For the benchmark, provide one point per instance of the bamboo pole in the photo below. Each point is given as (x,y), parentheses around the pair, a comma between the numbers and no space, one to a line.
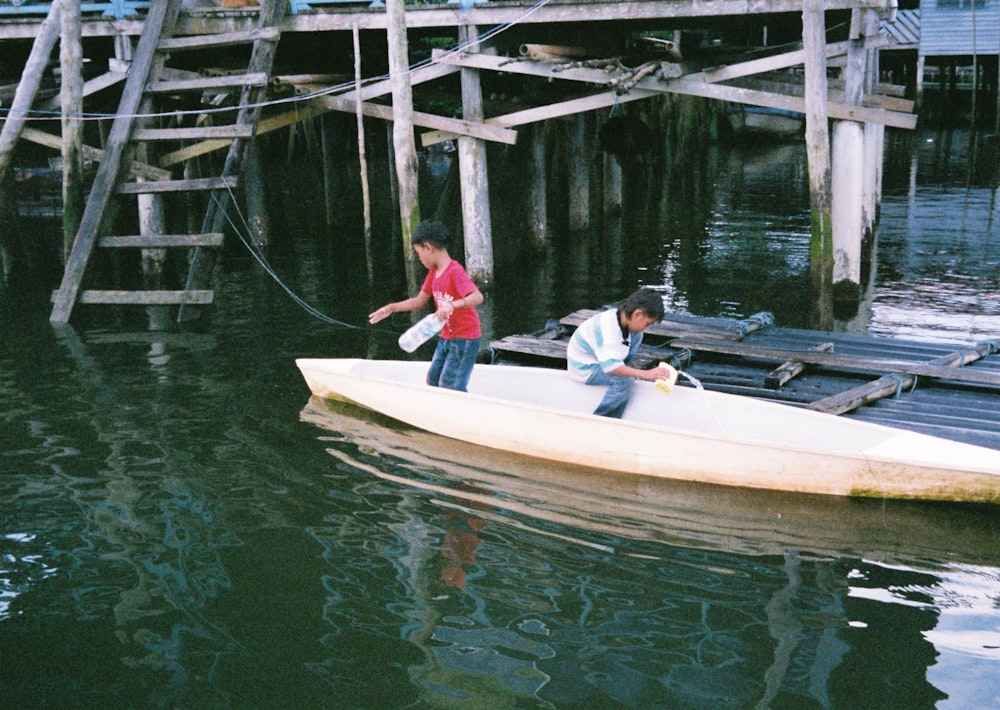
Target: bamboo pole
(71,106)
(403,143)
(31,78)
(362,157)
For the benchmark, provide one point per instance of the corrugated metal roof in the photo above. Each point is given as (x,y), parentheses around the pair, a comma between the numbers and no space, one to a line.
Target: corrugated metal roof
(906,28)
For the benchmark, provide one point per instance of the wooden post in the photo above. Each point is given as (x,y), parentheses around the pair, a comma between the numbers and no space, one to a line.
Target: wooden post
(847,181)
(612,198)
(474,177)
(71,105)
(579,174)
(818,155)
(403,143)
(874,143)
(362,157)
(31,77)
(538,214)
(255,193)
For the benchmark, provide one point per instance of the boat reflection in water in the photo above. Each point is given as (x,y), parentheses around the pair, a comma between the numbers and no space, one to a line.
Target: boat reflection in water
(526,579)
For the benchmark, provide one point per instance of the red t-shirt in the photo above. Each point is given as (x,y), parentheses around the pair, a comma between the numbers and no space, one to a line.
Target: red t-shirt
(450,286)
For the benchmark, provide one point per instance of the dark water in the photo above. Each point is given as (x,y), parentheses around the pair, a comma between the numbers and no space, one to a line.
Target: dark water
(183,527)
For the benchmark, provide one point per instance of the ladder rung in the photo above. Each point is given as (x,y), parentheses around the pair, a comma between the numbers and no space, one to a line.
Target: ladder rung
(145,298)
(153,241)
(225,39)
(234,130)
(206,83)
(142,188)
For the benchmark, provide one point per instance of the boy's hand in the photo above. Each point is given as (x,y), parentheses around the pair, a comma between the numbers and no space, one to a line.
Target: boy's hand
(381,314)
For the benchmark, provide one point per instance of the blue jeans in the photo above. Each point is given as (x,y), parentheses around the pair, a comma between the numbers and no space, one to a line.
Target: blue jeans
(619,388)
(451,366)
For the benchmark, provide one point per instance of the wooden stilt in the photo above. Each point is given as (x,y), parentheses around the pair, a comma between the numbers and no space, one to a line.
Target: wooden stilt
(612,187)
(818,155)
(474,178)
(255,192)
(31,77)
(71,98)
(538,193)
(404,145)
(579,174)
(362,157)
(847,182)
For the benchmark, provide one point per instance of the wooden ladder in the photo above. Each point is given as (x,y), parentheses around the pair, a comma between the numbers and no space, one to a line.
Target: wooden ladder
(123,170)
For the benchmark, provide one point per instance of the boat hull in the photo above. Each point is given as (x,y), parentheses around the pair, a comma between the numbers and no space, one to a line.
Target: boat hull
(688,435)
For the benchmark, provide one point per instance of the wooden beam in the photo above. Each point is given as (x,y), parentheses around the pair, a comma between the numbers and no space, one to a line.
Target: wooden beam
(777,378)
(146,241)
(206,83)
(225,39)
(98,83)
(146,298)
(541,113)
(485,131)
(136,169)
(692,85)
(211,183)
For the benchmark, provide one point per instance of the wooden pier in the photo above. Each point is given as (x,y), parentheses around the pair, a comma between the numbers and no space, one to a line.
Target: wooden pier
(822,80)
(944,389)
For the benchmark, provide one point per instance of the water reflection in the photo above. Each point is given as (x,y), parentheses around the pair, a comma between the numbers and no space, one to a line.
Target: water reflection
(653,594)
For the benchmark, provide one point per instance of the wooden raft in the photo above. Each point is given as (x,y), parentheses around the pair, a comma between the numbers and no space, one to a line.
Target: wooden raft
(836,373)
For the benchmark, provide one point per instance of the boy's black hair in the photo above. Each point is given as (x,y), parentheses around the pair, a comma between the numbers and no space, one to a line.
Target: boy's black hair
(647,299)
(430,232)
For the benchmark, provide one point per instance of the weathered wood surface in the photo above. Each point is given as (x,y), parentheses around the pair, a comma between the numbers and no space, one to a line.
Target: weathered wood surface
(724,329)
(162,14)
(892,384)
(145,298)
(782,374)
(162,240)
(857,363)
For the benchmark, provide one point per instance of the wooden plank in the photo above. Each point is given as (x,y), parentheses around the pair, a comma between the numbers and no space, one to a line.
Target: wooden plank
(778,377)
(266,126)
(645,357)
(146,298)
(144,188)
(163,240)
(668,328)
(889,385)
(225,39)
(693,85)
(92,86)
(207,83)
(541,113)
(136,169)
(857,363)
(474,129)
(161,15)
(231,131)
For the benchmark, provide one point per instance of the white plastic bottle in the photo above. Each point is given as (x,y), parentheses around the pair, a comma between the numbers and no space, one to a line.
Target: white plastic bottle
(420,333)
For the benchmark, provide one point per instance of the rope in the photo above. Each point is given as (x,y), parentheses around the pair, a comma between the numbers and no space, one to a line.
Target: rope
(262,260)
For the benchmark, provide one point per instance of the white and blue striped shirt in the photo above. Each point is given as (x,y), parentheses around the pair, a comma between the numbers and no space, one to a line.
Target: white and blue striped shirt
(597,344)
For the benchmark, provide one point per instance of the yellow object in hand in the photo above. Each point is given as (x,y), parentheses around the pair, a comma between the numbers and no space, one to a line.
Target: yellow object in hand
(666,384)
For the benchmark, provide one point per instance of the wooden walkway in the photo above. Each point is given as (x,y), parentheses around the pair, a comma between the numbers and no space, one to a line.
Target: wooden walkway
(947,390)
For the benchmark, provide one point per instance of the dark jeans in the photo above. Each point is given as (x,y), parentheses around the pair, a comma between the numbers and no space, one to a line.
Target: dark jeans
(451,366)
(619,388)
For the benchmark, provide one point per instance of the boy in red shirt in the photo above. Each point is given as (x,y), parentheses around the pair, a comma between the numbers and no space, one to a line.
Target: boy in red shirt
(455,301)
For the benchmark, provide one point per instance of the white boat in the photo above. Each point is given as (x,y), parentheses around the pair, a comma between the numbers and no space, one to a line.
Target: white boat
(582,502)
(689,434)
